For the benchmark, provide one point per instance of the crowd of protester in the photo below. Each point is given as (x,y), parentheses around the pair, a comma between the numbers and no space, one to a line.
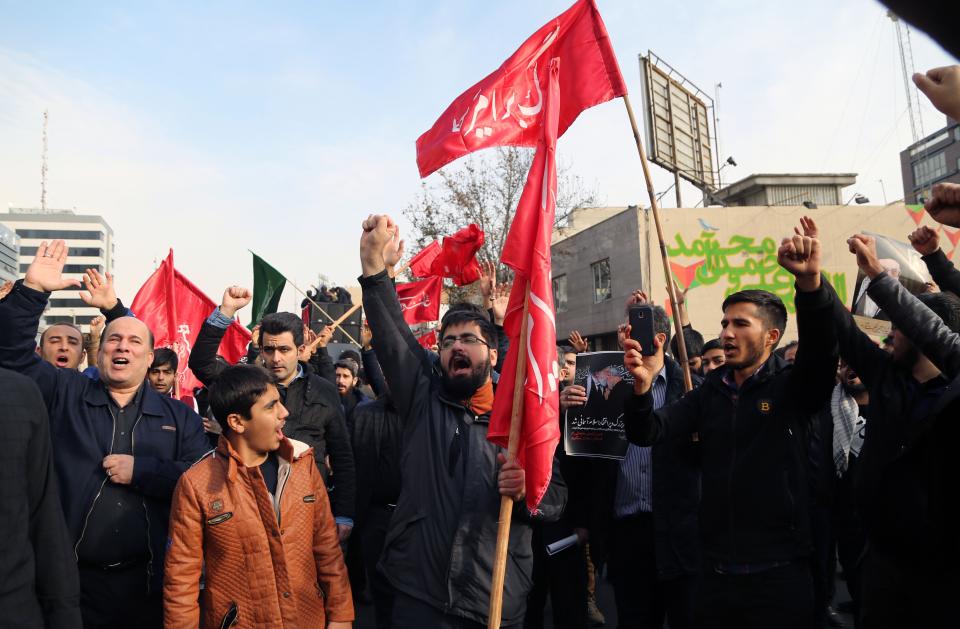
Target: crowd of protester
(295,485)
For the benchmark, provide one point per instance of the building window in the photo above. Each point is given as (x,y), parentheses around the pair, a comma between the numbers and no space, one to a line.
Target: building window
(90,252)
(68,268)
(601,280)
(66,234)
(560,293)
(74,319)
(929,169)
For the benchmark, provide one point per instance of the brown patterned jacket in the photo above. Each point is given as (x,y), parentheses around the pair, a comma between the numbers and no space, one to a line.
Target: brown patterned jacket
(277,560)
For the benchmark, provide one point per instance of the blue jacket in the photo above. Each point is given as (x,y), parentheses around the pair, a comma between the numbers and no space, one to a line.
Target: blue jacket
(168,436)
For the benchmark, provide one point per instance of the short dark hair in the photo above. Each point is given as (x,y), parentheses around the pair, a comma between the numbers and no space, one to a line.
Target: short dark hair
(693,341)
(710,345)
(107,325)
(565,349)
(661,323)
(945,305)
(279,322)
(165,356)
(348,364)
(469,313)
(769,307)
(237,389)
(43,335)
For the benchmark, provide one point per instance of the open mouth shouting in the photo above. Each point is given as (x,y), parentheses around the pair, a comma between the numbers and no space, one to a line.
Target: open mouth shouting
(62,360)
(459,365)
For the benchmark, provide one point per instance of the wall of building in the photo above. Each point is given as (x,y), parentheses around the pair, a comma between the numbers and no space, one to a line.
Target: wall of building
(9,255)
(715,252)
(90,242)
(944,141)
(617,239)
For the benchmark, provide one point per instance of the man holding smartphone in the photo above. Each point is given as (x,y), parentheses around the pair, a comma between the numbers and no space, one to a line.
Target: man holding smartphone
(752,416)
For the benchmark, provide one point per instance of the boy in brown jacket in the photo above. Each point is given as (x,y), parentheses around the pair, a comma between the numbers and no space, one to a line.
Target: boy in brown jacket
(255,512)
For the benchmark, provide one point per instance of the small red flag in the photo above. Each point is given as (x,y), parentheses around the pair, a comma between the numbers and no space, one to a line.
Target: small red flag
(420,264)
(457,258)
(527,251)
(420,301)
(174,309)
(428,340)
(504,108)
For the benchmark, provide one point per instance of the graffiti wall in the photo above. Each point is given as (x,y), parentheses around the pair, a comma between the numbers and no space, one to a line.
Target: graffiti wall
(715,252)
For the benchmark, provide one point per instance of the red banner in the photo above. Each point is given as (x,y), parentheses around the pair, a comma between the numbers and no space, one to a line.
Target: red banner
(174,309)
(504,108)
(420,264)
(420,301)
(527,251)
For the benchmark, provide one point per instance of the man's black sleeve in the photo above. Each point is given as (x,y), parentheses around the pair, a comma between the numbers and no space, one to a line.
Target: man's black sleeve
(371,367)
(942,271)
(920,324)
(815,369)
(856,348)
(203,357)
(405,363)
(322,365)
(553,502)
(646,427)
(57,584)
(343,498)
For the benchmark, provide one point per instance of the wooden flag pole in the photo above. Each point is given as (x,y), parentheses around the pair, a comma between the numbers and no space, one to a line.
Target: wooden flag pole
(506,502)
(681,344)
(334,322)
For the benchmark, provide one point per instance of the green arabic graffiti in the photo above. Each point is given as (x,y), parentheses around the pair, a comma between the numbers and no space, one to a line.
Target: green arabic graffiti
(743,263)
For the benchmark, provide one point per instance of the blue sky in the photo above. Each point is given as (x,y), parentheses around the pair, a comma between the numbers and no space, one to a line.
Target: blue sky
(218,127)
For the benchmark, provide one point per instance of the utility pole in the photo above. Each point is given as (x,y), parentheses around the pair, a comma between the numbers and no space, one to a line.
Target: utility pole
(43,166)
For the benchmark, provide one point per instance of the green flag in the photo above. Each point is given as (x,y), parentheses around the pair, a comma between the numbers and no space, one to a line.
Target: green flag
(268,285)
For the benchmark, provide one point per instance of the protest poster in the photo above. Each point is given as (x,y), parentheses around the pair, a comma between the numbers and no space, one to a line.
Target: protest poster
(596,428)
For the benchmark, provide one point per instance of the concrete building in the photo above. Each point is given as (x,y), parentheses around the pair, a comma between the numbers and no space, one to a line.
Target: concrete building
(90,242)
(786,189)
(933,159)
(610,252)
(9,255)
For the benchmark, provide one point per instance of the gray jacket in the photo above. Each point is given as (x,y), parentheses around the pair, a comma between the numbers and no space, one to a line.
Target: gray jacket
(440,545)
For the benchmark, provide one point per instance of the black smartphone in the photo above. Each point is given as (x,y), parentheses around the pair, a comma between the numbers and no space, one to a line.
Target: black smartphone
(641,328)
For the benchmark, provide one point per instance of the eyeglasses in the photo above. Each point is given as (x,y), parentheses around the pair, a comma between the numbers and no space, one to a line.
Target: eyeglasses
(466,339)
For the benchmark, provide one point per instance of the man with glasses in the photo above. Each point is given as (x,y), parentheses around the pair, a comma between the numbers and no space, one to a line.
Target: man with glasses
(439,551)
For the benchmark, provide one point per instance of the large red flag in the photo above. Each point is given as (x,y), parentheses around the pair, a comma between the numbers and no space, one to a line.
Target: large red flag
(420,301)
(174,309)
(457,258)
(527,251)
(504,108)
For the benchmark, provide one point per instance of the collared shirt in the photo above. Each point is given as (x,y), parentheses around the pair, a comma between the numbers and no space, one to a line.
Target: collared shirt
(634,492)
(116,529)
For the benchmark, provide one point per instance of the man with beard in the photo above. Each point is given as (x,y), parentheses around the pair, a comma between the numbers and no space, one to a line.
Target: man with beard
(906,473)
(751,416)
(346,380)
(439,551)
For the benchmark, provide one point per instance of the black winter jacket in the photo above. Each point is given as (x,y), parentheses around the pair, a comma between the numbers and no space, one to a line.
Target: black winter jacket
(676,496)
(754,505)
(441,542)
(907,475)
(315,418)
(37,567)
